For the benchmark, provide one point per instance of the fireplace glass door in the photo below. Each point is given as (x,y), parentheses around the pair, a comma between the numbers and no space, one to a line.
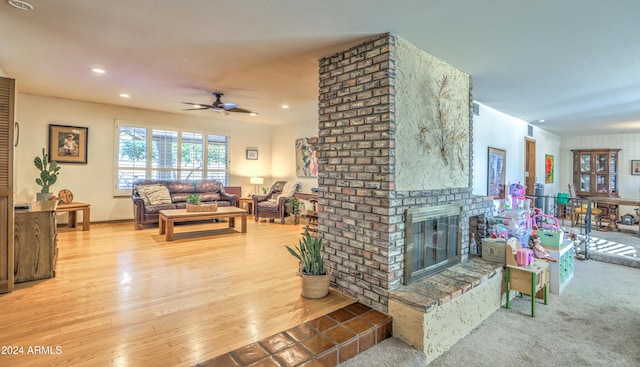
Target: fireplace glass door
(433,241)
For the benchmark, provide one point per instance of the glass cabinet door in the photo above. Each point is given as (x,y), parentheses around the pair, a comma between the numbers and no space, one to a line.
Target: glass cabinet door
(601,163)
(601,184)
(585,183)
(585,162)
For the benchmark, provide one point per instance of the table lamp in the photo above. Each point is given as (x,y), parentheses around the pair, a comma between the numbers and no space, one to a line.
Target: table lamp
(256,181)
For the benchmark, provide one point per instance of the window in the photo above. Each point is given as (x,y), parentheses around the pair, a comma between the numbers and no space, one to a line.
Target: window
(163,153)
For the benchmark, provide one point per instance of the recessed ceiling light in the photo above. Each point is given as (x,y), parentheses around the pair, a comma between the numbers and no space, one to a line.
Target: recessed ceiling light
(253,114)
(124,95)
(285,106)
(22,5)
(98,70)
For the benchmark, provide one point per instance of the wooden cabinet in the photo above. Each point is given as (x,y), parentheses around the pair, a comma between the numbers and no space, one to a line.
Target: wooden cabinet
(7,103)
(595,172)
(35,242)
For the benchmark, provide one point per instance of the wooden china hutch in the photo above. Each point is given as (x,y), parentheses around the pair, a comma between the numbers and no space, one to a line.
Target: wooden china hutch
(595,172)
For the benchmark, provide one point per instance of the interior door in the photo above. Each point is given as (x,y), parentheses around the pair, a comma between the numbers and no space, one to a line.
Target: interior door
(7,101)
(529,165)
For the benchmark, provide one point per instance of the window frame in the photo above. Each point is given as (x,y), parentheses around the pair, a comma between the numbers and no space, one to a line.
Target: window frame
(149,168)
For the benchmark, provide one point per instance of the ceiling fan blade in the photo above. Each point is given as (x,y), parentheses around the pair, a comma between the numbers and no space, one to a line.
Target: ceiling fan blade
(197,109)
(241,110)
(199,105)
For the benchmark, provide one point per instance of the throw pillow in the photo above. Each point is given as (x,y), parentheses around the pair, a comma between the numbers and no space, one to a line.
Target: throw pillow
(158,195)
(288,189)
(141,192)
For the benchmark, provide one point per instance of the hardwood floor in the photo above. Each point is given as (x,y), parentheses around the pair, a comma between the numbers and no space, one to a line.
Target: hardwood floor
(123,297)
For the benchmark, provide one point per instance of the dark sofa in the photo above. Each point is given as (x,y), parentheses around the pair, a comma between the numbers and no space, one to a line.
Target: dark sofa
(209,190)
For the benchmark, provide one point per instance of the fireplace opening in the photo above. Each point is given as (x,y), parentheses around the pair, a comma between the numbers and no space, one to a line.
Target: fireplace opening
(432,239)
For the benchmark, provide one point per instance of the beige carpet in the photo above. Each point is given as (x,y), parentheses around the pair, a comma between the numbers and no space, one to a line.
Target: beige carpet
(594,322)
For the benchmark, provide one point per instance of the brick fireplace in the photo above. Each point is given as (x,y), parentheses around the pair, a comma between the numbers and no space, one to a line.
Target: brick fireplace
(381,105)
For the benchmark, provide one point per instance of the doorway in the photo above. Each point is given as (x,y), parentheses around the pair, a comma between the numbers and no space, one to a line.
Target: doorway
(529,165)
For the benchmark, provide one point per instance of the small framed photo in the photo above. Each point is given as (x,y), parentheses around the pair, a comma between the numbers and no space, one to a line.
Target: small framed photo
(635,167)
(252,153)
(68,144)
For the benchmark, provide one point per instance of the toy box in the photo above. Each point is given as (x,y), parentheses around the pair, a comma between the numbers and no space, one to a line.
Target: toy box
(493,249)
(551,238)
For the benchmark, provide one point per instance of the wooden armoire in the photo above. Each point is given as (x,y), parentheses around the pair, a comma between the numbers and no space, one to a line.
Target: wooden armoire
(7,105)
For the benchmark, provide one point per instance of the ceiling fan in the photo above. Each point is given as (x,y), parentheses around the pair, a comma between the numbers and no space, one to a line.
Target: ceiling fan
(217,106)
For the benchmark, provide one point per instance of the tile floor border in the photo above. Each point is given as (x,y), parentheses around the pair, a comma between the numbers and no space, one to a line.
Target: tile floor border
(323,342)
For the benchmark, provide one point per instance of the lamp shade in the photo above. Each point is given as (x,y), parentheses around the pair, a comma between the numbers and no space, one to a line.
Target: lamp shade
(256,180)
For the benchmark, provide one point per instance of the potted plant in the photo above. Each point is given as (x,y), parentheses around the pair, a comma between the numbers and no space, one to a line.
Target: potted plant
(195,205)
(193,199)
(314,274)
(295,206)
(48,175)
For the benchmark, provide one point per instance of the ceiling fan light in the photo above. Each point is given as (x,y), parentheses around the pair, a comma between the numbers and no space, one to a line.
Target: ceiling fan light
(22,5)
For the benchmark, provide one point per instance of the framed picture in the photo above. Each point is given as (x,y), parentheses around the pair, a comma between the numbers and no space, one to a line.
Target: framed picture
(548,168)
(252,154)
(496,175)
(635,167)
(306,159)
(68,144)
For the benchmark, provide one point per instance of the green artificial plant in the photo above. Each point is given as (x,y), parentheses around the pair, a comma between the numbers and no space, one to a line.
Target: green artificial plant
(48,172)
(310,253)
(193,199)
(296,205)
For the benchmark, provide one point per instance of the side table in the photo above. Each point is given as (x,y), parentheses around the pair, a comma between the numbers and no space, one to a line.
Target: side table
(72,209)
(246,203)
(528,280)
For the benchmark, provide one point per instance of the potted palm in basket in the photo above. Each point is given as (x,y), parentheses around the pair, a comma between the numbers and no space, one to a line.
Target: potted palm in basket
(195,205)
(295,207)
(314,274)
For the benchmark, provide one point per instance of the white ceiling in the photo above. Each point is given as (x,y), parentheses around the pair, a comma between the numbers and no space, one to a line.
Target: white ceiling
(573,63)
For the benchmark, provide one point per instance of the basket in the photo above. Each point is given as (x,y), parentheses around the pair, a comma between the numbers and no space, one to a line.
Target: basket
(315,286)
(202,208)
(563,198)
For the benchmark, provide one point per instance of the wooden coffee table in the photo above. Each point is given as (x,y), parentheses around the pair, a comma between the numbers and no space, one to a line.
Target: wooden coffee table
(169,217)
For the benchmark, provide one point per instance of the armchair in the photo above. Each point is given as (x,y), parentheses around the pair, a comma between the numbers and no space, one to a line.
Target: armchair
(273,204)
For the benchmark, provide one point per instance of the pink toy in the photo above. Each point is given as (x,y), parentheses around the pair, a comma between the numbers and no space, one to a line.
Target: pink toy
(524,257)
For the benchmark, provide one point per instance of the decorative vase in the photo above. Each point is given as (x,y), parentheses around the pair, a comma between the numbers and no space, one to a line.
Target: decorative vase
(296,218)
(315,286)
(43,196)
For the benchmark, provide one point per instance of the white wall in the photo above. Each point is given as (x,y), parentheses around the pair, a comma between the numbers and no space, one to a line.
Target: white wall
(93,183)
(495,129)
(628,184)
(283,153)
